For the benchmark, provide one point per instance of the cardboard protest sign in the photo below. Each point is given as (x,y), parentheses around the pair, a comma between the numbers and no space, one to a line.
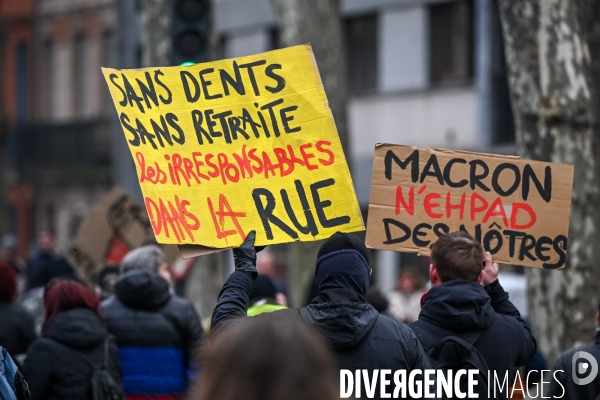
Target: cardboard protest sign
(225,147)
(115,227)
(518,209)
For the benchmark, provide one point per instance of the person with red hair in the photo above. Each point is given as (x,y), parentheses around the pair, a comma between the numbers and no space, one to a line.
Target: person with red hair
(17,328)
(74,341)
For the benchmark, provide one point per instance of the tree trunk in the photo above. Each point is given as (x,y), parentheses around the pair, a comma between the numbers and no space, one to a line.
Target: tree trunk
(317,22)
(589,17)
(204,283)
(554,101)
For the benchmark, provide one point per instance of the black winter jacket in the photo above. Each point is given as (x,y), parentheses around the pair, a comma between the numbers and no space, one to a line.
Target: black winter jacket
(158,334)
(17,328)
(43,267)
(464,306)
(55,368)
(361,338)
(562,382)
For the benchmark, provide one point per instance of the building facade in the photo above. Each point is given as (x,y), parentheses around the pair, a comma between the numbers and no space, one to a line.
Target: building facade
(421,72)
(60,147)
(17,39)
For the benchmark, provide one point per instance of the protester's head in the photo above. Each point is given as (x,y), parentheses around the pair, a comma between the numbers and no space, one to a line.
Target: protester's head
(343,241)
(107,278)
(46,240)
(456,256)
(409,281)
(149,258)
(343,263)
(9,248)
(270,357)
(265,263)
(63,295)
(8,282)
(263,289)
(377,299)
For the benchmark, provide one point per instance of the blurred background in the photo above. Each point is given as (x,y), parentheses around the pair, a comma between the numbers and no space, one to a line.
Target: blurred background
(429,73)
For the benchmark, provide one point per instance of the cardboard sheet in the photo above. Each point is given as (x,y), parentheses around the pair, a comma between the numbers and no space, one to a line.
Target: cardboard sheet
(518,209)
(115,227)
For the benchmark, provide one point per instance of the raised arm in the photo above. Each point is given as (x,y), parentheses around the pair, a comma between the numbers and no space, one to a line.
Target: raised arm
(498,296)
(502,305)
(235,296)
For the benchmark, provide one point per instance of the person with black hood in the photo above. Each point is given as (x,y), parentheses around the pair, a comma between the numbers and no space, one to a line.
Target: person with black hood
(74,343)
(360,337)
(466,297)
(158,334)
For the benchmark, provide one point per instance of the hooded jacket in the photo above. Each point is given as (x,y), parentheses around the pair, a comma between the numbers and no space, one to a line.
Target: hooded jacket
(43,267)
(17,328)
(361,338)
(157,335)
(562,384)
(461,306)
(55,368)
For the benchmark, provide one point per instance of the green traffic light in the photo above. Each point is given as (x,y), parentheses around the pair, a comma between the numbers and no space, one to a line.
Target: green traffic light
(187,64)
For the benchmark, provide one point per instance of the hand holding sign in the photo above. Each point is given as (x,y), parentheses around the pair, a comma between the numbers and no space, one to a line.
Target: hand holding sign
(245,256)
(490,270)
(225,147)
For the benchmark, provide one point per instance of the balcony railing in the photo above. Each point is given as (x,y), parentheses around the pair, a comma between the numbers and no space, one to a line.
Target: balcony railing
(72,146)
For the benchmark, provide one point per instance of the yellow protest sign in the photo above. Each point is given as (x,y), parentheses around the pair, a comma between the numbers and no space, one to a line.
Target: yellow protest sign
(225,147)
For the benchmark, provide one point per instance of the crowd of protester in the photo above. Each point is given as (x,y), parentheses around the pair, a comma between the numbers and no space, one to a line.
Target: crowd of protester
(148,343)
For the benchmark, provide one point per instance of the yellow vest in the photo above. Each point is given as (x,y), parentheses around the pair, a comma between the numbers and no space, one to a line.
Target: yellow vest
(264,308)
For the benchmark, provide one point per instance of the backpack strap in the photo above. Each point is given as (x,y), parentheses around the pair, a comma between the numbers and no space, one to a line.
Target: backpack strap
(470,337)
(427,339)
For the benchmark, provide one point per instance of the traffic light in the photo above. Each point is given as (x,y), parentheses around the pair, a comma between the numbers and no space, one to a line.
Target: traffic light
(190,31)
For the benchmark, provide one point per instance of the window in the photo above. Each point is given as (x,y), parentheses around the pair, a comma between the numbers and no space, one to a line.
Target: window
(48,77)
(50,215)
(107,49)
(502,120)
(361,53)
(79,74)
(21,89)
(451,41)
